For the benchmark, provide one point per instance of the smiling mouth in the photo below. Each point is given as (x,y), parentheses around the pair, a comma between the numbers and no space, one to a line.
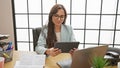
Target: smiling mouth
(58,22)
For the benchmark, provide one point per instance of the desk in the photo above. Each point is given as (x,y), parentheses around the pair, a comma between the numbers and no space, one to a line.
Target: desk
(50,61)
(16,56)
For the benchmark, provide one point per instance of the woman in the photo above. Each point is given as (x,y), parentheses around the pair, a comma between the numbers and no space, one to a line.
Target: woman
(55,31)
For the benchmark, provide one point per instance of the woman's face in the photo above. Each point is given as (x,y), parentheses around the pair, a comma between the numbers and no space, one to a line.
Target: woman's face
(59,17)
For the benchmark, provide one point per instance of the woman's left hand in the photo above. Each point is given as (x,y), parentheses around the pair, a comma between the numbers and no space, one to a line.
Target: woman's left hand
(72,51)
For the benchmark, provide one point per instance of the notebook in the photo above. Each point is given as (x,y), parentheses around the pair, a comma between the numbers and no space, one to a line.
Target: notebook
(66,46)
(82,58)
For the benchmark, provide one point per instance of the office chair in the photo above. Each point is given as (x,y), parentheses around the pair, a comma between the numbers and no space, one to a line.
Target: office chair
(117,50)
(114,53)
(36,33)
(114,50)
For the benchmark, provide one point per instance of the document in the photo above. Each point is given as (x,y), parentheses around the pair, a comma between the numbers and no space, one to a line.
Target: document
(18,65)
(65,63)
(31,61)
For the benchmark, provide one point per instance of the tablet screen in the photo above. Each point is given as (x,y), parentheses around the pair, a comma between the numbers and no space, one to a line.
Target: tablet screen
(66,46)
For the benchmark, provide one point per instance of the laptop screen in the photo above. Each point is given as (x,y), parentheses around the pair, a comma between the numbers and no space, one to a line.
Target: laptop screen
(82,58)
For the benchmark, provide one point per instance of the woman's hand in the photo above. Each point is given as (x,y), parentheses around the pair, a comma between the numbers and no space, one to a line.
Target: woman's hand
(53,51)
(72,51)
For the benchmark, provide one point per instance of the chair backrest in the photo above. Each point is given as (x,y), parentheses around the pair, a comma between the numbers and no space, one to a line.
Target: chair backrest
(112,49)
(113,55)
(36,32)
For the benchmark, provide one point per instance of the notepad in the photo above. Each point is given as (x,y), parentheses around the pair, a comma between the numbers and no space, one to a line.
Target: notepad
(31,61)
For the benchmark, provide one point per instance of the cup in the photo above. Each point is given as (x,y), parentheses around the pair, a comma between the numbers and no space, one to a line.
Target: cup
(2,62)
(118,65)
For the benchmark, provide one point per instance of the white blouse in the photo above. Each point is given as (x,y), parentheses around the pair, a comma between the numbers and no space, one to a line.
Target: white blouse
(58,36)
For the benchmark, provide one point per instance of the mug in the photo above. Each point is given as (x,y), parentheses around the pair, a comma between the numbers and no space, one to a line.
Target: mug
(2,62)
(118,65)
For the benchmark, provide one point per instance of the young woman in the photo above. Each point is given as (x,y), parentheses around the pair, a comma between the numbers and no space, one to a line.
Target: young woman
(55,31)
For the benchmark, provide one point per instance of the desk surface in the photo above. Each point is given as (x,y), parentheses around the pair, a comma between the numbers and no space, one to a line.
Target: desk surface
(50,61)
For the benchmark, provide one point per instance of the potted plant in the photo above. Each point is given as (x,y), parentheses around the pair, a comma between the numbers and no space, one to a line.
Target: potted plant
(99,62)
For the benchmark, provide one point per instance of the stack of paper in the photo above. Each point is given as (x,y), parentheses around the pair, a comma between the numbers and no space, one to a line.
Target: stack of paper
(3,36)
(31,61)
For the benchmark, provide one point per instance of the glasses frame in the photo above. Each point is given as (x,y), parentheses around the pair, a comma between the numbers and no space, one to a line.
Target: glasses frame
(62,17)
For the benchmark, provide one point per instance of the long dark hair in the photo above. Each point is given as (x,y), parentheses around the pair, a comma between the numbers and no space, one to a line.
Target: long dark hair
(51,36)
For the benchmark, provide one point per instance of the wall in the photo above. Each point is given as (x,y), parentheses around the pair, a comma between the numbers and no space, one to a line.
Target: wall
(6,19)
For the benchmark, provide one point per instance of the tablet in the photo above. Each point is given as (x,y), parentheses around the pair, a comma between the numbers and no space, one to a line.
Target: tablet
(66,46)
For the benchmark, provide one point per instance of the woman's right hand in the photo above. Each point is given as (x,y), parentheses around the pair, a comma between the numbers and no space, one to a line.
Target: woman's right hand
(53,51)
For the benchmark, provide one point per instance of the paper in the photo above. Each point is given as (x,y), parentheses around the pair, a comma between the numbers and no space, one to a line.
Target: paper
(31,61)
(3,36)
(17,65)
(65,63)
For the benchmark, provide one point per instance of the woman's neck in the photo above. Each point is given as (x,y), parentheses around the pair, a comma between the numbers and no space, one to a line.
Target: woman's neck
(57,28)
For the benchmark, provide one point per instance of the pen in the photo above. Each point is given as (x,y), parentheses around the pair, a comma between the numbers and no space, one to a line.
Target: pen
(9,46)
(1,49)
(5,55)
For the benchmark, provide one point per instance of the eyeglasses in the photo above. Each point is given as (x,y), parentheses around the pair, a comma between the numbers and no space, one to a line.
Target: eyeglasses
(57,16)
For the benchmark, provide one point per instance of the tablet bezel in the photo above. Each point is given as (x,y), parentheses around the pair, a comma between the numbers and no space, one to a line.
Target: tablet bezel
(66,46)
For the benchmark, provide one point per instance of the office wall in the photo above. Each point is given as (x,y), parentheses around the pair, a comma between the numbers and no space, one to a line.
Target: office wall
(6,19)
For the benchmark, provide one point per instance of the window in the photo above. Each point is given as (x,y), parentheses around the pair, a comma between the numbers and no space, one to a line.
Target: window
(95,22)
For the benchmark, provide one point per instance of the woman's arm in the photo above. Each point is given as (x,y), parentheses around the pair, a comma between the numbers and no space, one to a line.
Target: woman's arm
(42,48)
(72,34)
(41,44)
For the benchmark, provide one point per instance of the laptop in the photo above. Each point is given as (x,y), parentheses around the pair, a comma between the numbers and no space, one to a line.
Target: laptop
(82,58)
(66,46)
